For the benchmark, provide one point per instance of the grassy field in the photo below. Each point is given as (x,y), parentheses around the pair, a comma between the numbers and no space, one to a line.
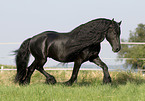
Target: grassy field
(126,86)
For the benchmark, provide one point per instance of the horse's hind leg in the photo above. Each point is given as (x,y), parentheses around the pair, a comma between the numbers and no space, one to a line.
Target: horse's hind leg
(31,69)
(49,78)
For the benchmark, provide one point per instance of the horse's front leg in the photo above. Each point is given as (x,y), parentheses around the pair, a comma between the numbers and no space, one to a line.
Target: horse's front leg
(107,78)
(76,68)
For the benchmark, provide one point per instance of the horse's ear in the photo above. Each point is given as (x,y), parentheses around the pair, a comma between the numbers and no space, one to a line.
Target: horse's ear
(120,23)
(111,25)
(113,19)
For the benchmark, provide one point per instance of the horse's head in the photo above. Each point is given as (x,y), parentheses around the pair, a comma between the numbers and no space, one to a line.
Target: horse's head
(113,35)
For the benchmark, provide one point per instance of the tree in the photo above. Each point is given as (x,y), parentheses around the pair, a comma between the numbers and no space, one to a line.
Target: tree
(136,52)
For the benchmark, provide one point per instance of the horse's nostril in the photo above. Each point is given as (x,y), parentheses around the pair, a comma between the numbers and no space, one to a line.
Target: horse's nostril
(117,49)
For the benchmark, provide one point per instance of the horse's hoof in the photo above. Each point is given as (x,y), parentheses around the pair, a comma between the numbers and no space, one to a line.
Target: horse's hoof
(24,82)
(107,80)
(68,83)
(51,80)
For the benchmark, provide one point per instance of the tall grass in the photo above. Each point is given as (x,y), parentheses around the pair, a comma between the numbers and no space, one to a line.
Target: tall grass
(126,86)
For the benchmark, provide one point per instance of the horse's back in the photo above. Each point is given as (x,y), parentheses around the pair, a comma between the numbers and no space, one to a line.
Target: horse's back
(49,44)
(39,43)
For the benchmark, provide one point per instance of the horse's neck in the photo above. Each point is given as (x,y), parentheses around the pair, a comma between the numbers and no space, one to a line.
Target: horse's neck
(77,43)
(88,39)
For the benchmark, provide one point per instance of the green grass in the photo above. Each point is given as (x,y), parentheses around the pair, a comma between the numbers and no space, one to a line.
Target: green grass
(42,92)
(126,86)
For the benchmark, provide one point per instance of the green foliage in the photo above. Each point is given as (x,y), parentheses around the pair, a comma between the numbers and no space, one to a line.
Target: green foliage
(138,35)
(135,51)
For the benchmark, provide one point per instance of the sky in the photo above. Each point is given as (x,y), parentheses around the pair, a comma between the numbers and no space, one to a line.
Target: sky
(21,19)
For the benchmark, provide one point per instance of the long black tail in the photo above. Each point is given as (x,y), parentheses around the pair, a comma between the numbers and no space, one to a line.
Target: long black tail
(22,59)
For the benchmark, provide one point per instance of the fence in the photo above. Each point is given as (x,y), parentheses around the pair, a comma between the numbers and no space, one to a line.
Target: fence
(129,43)
(53,69)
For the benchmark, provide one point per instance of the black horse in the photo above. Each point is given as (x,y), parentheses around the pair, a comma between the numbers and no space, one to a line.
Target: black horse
(80,45)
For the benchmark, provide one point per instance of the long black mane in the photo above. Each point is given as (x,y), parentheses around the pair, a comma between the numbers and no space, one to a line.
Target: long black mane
(87,34)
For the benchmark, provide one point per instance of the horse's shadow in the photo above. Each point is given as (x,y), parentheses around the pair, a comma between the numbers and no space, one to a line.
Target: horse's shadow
(120,79)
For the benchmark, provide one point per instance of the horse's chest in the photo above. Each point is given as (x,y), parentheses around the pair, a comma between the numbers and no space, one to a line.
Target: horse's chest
(90,53)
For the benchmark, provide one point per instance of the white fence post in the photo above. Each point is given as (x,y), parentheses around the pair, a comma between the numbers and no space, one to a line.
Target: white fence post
(2,67)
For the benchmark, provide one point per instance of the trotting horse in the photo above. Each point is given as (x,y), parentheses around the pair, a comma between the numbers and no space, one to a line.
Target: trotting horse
(80,45)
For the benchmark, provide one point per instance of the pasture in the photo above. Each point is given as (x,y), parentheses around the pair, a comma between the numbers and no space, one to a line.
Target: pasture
(126,86)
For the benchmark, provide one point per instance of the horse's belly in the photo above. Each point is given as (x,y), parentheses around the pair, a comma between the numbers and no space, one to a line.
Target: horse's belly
(61,58)
(59,54)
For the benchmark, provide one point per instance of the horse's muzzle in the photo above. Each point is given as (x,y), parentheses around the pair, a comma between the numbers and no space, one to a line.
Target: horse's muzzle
(116,49)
